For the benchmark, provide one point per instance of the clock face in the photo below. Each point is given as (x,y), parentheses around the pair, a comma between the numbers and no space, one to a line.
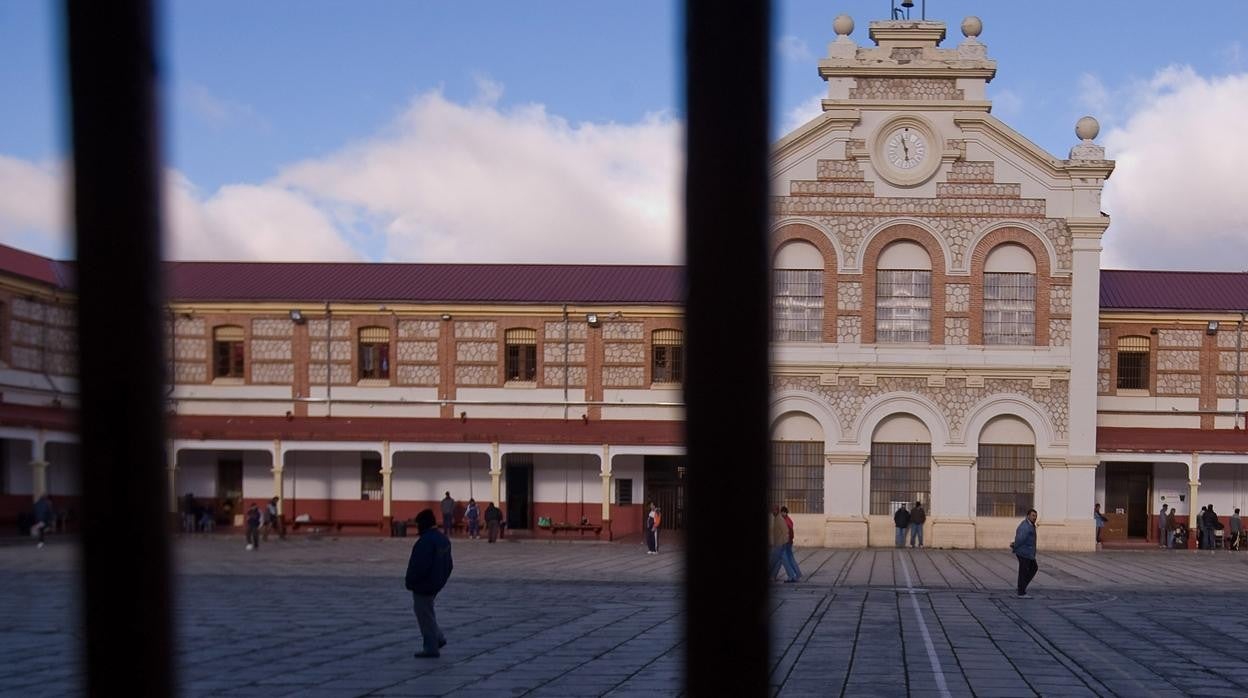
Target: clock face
(905,148)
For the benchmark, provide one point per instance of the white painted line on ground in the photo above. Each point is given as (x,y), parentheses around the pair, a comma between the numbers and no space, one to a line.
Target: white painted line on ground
(927,638)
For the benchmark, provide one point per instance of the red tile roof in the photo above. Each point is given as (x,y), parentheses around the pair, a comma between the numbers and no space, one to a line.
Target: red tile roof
(1174,290)
(33,267)
(1186,441)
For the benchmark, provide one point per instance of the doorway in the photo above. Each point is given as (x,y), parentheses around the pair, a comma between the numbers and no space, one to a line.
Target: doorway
(665,487)
(1127,488)
(519,494)
(229,489)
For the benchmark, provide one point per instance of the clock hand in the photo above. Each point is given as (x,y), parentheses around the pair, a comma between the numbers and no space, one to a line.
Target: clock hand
(905,149)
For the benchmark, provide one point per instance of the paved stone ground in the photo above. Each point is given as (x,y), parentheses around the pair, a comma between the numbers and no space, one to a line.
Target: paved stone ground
(329,617)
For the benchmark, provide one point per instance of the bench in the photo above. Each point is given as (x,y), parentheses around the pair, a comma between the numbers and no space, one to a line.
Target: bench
(579,528)
(337,524)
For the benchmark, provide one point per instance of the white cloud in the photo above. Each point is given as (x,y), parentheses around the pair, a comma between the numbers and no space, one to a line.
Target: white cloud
(803,112)
(1177,193)
(794,49)
(449,182)
(33,206)
(1006,104)
(218,112)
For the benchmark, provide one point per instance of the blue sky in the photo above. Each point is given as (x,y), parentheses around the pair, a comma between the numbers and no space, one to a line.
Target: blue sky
(285,113)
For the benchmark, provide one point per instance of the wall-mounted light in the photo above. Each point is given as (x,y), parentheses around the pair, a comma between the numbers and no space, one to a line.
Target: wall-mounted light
(296,316)
(446,316)
(1212,327)
(592,319)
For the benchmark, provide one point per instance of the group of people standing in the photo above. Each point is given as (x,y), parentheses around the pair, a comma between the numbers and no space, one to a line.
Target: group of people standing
(259,524)
(493,517)
(911,520)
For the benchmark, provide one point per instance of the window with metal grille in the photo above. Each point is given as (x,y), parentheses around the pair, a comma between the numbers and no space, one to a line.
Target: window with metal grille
(521,355)
(1006,484)
(1009,308)
(903,305)
(667,356)
(797,476)
(227,352)
(899,473)
(1133,363)
(374,353)
(624,491)
(797,305)
(371,482)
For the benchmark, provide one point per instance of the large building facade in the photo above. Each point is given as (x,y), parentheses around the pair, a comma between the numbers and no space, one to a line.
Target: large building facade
(942,334)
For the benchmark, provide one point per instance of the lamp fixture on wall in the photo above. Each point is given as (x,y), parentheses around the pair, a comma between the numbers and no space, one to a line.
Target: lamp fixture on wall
(1212,327)
(446,316)
(592,319)
(296,316)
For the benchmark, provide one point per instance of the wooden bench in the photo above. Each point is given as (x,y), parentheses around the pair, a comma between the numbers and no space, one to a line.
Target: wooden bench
(581,529)
(337,524)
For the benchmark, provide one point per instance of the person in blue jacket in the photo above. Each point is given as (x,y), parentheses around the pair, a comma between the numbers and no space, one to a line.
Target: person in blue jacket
(1024,547)
(427,571)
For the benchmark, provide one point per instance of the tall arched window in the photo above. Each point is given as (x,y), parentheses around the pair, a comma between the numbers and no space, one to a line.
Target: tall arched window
(521,359)
(903,294)
(227,352)
(901,464)
(797,464)
(797,293)
(1010,296)
(1006,468)
(374,353)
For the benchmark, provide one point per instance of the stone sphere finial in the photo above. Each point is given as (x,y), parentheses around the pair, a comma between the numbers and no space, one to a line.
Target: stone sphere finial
(972,26)
(1087,128)
(843,25)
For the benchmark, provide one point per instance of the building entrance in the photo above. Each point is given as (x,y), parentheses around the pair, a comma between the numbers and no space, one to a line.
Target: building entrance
(665,486)
(229,489)
(519,495)
(1127,488)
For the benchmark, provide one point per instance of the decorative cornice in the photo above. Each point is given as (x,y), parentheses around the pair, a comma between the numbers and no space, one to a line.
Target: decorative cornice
(833,68)
(966,105)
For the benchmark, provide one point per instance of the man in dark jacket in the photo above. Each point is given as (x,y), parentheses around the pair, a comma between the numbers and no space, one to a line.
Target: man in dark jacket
(493,519)
(448,514)
(427,571)
(917,518)
(1211,526)
(1024,547)
(901,519)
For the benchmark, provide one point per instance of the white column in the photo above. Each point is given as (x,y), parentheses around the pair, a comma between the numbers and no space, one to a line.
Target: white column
(496,475)
(277,476)
(606,482)
(39,478)
(845,500)
(171,457)
(387,471)
(1084,324)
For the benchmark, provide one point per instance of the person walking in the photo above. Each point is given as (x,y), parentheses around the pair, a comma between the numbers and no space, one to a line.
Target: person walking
(1099,519)
(1237,530)
(428,570)
(790,560)
(779,536)
(493,519)
(45,517)
(1172,528)
(448,514)
(917,518)
(473,516)
(253,527)
(1024,547)
(1161,526)
(1212,526)
(651,534)
(901,519)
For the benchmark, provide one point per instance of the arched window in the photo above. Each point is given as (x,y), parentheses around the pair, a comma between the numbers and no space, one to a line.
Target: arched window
(797,293)
(903,294)
(1006,467)
(374,353)
(1010,296)
(521,355)
(667,356)
(1133,363)
(797,464)
(227,352)
(901,464)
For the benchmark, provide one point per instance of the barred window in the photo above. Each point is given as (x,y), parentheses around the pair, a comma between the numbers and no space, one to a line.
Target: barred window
(797,305)
(1010,308)
(903,305)
(624,491)
(667,356)
(521,355)
(371,482)
(797,476)
(1133,363)
(374,353)
(1007,480)
(227,352)
(899,473)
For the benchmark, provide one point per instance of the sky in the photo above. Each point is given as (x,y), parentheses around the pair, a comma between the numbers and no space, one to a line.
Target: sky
(551,131)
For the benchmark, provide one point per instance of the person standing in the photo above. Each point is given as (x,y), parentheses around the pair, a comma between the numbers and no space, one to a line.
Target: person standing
(901,519)
(1161,526)
(473,516)
(428,570)
(779,535)
(253,527)
(651,533)
(1099,519)
(658,520)
(1212,525)
(448,514)
(1200,528)
(275,518)
(1024,547)
(790,561)
(493,519)
(1237,530)
(44,519)
(1172,528)
(917,518)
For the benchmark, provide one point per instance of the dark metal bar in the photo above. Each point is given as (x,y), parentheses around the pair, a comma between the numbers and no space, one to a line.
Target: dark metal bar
(125,570)
(727,92)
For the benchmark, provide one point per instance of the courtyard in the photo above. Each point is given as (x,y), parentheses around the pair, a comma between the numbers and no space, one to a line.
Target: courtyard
(330,617)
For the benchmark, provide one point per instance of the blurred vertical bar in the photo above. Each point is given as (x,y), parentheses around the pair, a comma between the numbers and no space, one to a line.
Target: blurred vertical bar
(125,564)
(727,93)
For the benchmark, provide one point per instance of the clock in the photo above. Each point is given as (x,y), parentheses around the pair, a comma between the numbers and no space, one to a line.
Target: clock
(906,151)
